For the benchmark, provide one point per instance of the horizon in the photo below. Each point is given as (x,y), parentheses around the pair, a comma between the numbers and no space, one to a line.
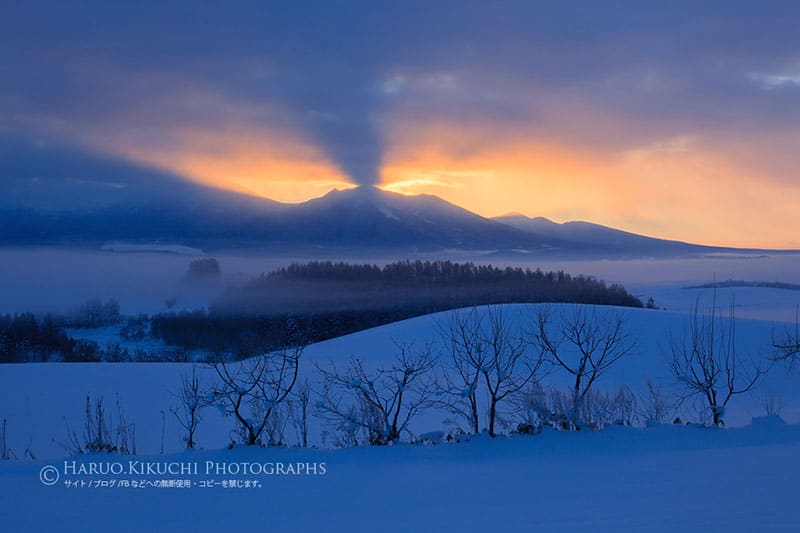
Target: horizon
(370,265)
(675,121)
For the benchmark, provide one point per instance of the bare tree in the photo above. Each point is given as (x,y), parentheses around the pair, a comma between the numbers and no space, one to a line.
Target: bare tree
(192,399)
(786,346)
(381,403)
(466,346)
(585,343)
(253,390)
(510,367)
(706,364)
(485,348)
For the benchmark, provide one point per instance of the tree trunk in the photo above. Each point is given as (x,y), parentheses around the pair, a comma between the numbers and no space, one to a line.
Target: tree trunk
(492,414)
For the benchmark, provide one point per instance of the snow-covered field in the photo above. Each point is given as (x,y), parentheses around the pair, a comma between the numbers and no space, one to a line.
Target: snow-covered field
(663,478)
(41,400)
(621,479)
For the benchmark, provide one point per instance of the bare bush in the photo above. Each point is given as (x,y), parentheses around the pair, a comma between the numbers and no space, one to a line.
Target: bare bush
(656,405)
(531,408)
(536,408)
(192,399)
(772,401)
(101,433)
(377,407)
(707,365)
(584,343)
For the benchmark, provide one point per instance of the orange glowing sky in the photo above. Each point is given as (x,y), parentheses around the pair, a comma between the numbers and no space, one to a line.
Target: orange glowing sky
(643,117)
(678,189)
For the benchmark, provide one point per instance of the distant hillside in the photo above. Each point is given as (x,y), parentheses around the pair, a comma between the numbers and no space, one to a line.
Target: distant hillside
(740,283)
(602,239)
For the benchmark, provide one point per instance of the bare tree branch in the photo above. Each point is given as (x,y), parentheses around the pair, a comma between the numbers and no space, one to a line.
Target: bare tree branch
(380,403)
(706,363)
(585,344)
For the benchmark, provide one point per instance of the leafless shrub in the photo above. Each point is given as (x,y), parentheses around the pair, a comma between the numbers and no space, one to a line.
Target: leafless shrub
(192,399)
(772,401)
(101,433)
(536,408)
(656,405)
(532,408)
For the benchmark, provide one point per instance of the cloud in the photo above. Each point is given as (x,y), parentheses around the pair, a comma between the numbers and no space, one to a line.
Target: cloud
(254,95)
(774,81)
(46,174)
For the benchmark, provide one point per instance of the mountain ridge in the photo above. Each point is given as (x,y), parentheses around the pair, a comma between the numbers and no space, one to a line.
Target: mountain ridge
(360,217)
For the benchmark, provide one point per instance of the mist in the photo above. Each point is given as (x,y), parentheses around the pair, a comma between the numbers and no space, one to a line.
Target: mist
(53,279)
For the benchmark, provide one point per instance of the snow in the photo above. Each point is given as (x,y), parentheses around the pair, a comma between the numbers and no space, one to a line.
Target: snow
(667,478)
(38,399)
(110,335)
(658,478)
(388,213)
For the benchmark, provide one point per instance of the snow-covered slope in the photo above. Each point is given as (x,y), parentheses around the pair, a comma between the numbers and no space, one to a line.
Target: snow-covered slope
(40,399)
(662,478)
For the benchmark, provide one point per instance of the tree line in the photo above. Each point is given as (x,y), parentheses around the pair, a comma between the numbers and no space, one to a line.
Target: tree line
(328,300)
(414,287)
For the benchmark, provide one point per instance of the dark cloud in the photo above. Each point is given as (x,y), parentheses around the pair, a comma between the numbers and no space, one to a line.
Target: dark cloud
(336,70)
(45,174)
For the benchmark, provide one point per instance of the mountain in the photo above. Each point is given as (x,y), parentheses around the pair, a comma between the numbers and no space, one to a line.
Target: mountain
(209,218)
(371,217)
(597,238)
(358,218)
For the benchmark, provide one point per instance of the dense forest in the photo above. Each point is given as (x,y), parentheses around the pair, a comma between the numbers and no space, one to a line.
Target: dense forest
(412,288)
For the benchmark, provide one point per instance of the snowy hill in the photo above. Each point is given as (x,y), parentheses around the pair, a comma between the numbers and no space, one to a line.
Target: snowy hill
(659,478)
(37,417)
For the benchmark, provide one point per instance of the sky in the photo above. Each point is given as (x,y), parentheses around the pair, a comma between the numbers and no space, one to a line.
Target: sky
(675,119)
